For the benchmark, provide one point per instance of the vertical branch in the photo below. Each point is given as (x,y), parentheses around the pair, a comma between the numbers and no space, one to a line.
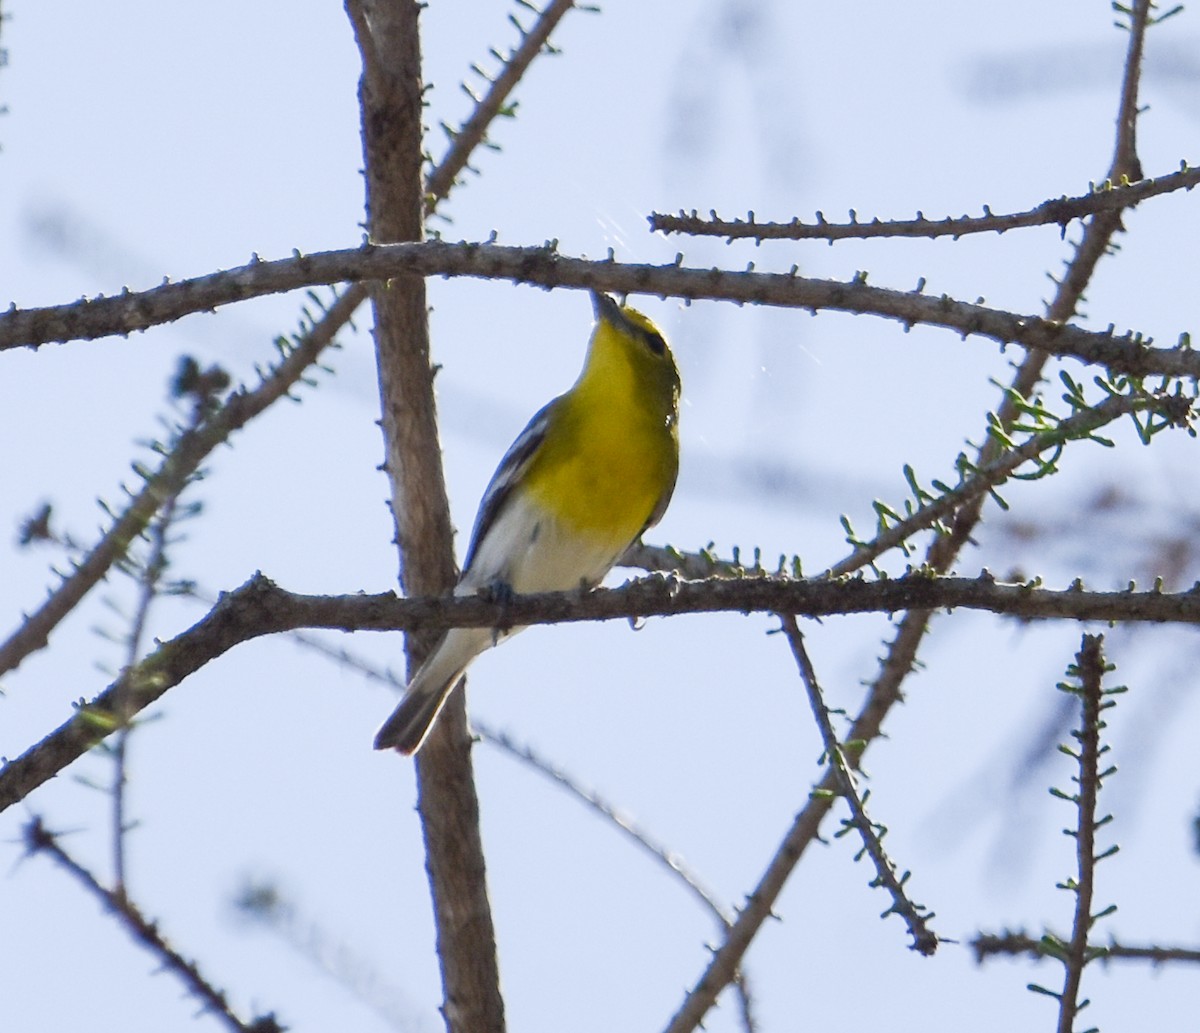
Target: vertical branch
(1089,664)
(390,94)
(148,581)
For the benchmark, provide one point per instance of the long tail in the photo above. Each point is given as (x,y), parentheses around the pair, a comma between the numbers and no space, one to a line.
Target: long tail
(429,689)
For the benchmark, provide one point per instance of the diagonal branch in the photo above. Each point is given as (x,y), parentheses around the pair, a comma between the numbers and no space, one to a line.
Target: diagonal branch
(40,840)
(467,138)
(195,445)
(986,479)
(1174,409)
(925,940)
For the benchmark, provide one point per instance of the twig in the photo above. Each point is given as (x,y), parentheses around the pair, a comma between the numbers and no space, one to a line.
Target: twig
(988,945)
(473,131)
(1076,953)
(1175,409)
(1126,165)
(1109,196)
(545,266)
(805,828)
(643,839)
(997,471)
(148,581)
(263,904)
(40,840)
(925,941)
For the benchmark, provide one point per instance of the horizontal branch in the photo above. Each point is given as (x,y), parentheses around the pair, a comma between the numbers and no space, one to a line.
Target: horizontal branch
(1012,944)
(1108,197)
(544,266)
(259,607)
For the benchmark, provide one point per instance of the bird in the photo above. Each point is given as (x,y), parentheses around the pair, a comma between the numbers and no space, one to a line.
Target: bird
(593,470)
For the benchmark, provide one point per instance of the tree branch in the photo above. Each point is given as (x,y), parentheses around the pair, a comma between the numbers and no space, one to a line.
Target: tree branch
(473,131)
(1109,196)
(259,607)
(1075,954)
(544,266)
(194,446)
(925,940)
(391,101)
(989,945)
(40,840)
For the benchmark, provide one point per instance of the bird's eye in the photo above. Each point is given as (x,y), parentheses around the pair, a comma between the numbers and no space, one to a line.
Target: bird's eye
(656,343)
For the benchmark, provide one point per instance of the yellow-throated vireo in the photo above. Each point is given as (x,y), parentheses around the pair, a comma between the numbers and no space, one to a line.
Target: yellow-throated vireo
(592,471)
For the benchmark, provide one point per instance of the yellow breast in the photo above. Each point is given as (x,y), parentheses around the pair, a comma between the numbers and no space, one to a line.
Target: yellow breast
(610,457)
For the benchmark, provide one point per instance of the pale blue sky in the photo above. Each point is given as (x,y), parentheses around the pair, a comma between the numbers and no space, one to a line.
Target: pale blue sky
(166,140)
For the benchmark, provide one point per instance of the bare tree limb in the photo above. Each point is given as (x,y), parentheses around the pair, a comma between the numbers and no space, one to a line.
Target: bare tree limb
(40,840)
(989,945)
(1109,196)
(925,940)
(391,97)
(467,138)
(259,607)
(544,266)
(195,445)
(1075,953)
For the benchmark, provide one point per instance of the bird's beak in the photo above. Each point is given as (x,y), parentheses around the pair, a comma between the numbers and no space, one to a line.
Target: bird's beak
(605,308)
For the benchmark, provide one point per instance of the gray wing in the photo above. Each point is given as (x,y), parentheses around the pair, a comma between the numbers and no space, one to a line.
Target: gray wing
(512,467)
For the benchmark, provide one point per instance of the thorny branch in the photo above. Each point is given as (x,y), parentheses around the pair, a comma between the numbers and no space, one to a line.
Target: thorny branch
(40,840)
(149,578)
(925,940)
(1175,409)
(544,266)
(1109,196)
(1010,944)
(901,655)
(195,445)
(1076,953)
(467,138)
(259,608)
